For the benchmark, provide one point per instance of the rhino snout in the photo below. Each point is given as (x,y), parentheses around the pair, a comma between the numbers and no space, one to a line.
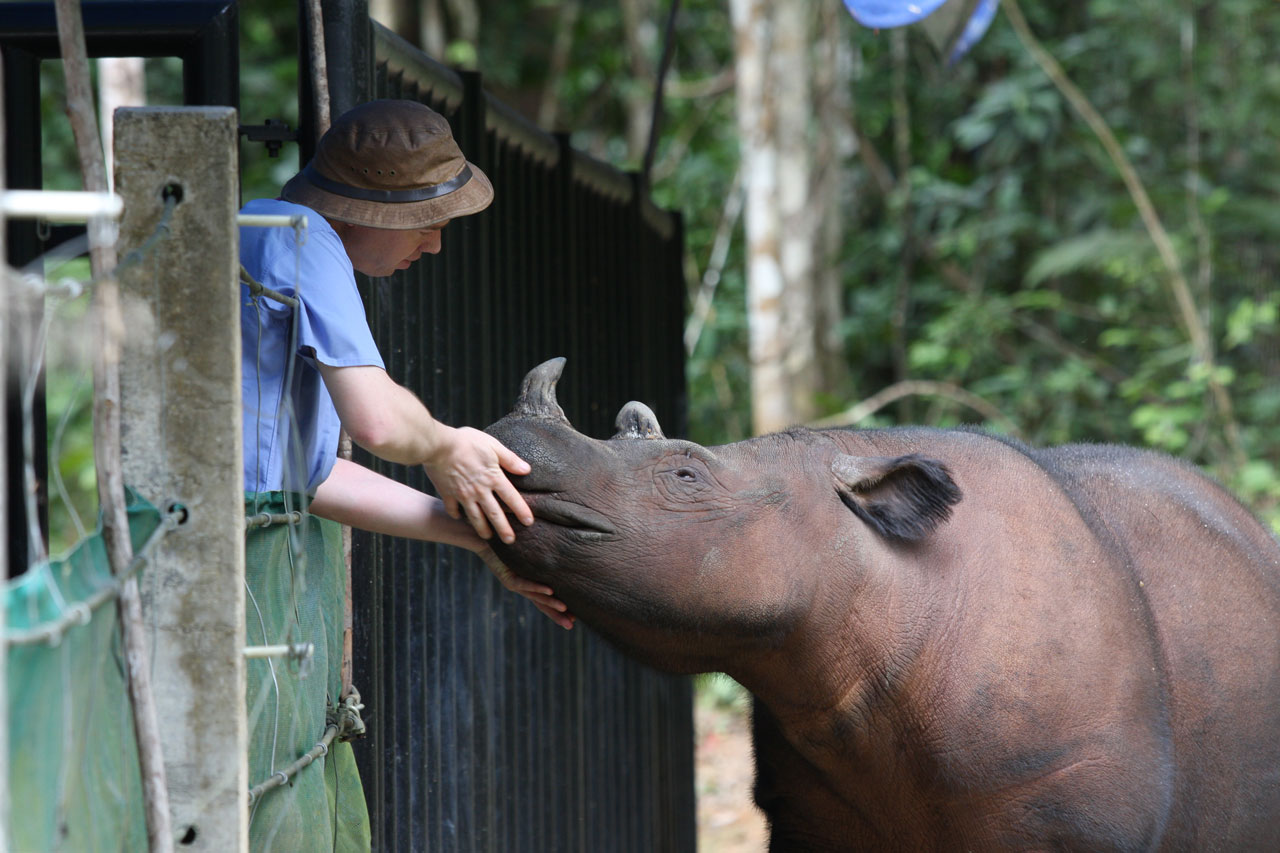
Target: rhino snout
(569,514)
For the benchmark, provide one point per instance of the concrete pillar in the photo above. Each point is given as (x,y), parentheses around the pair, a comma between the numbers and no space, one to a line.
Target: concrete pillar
(181,437)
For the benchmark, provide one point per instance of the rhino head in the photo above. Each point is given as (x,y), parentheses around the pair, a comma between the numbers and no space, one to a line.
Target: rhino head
(688,557)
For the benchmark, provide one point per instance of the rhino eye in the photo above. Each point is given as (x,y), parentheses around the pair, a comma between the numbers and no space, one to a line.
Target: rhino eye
(688,475)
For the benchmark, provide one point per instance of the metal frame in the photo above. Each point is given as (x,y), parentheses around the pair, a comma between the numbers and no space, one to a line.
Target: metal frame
(204,34)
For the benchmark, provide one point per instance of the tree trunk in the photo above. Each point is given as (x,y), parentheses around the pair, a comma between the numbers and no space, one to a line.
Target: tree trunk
(837,143)
(433,37)
(566,20)
(641,33)
(466,21)
(121,83)
(401,18)
(775,108)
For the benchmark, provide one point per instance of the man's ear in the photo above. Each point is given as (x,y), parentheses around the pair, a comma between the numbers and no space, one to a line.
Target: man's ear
(903,498)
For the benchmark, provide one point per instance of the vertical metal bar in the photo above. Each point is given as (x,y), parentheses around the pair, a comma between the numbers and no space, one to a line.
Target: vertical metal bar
(22,126)
(211,65)
(5,288)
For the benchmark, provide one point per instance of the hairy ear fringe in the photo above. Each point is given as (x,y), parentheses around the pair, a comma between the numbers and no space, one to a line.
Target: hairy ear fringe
(903,499)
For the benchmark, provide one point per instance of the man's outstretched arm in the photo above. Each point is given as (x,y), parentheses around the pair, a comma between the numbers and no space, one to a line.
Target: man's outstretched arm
(358,497)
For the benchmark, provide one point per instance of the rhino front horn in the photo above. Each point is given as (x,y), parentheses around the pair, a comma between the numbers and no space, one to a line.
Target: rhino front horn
(538,392)
(636,420)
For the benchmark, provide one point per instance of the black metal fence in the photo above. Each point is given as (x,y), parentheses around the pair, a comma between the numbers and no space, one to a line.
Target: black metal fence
(490,728)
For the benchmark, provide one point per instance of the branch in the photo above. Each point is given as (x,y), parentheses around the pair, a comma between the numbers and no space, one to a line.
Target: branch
(106,432)
(704,87)
(923,388)
(715,264)
(319,66)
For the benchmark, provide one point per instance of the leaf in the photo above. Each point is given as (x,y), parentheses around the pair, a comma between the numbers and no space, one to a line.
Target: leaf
(1091,252)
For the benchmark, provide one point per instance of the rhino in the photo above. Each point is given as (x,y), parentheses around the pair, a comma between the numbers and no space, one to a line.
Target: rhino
(954,641)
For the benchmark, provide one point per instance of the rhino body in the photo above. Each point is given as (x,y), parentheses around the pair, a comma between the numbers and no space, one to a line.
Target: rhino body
(955,642)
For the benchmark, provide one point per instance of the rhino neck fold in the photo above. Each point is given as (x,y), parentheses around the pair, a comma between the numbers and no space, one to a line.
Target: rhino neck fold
(843,668)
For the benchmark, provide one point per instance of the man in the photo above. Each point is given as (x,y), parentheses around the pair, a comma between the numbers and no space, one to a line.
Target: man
(386,178)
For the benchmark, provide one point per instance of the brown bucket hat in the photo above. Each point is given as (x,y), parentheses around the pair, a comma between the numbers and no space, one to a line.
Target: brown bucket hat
(390,164)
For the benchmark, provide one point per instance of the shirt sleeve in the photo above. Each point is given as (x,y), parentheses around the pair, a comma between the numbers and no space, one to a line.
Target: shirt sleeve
(332,328)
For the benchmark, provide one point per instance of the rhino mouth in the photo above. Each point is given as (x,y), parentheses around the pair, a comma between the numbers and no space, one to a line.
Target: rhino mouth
(570,515)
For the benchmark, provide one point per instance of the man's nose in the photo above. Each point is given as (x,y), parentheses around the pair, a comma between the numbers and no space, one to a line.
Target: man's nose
(431,245)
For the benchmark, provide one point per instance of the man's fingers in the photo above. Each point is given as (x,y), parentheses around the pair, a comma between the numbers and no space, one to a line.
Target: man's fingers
(479,522)
(498,519)
(511,462)
(512,498)
(564,620)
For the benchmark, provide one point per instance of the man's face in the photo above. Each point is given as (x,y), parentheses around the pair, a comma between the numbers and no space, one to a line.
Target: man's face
(382,251)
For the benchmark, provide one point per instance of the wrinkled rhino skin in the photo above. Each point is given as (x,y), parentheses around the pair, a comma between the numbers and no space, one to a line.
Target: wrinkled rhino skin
(955,642)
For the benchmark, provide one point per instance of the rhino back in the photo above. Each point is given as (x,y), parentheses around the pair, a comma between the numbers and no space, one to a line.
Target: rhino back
(1209,574)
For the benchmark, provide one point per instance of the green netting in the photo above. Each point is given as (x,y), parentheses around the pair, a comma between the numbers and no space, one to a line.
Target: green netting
(73,763)
(74,778)
(296,590)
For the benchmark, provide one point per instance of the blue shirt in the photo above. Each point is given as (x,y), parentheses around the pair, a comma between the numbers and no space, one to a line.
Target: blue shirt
(290,425)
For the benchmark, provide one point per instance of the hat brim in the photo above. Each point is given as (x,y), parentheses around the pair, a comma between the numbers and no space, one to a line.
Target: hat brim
(472,197)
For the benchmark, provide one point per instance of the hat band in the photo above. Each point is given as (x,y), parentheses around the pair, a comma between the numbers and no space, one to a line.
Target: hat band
(391,196)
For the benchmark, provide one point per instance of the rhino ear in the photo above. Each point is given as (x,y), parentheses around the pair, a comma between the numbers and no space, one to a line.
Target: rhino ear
(902,498)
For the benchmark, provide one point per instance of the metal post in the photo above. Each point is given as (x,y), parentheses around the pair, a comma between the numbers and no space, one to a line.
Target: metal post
(4,538)
(180,395)
(21,115)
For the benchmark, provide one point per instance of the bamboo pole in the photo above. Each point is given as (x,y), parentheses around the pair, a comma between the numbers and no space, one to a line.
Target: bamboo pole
(319,72)
(106,426)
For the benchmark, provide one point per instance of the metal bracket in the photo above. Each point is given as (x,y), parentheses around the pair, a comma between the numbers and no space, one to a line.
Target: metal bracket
(274,133)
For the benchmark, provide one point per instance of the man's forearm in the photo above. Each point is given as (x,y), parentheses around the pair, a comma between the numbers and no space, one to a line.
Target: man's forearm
(356,496)
(382,417)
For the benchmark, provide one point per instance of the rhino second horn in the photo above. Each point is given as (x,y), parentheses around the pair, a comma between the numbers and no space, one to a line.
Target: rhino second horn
(538,392)
(636,420)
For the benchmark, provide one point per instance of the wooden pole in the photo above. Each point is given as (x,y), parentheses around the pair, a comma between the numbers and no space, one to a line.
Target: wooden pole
(320,94)
(106,425)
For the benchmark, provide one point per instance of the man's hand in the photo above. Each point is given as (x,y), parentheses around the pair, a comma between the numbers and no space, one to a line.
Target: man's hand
(540,594)
(468,471)
(467,466)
